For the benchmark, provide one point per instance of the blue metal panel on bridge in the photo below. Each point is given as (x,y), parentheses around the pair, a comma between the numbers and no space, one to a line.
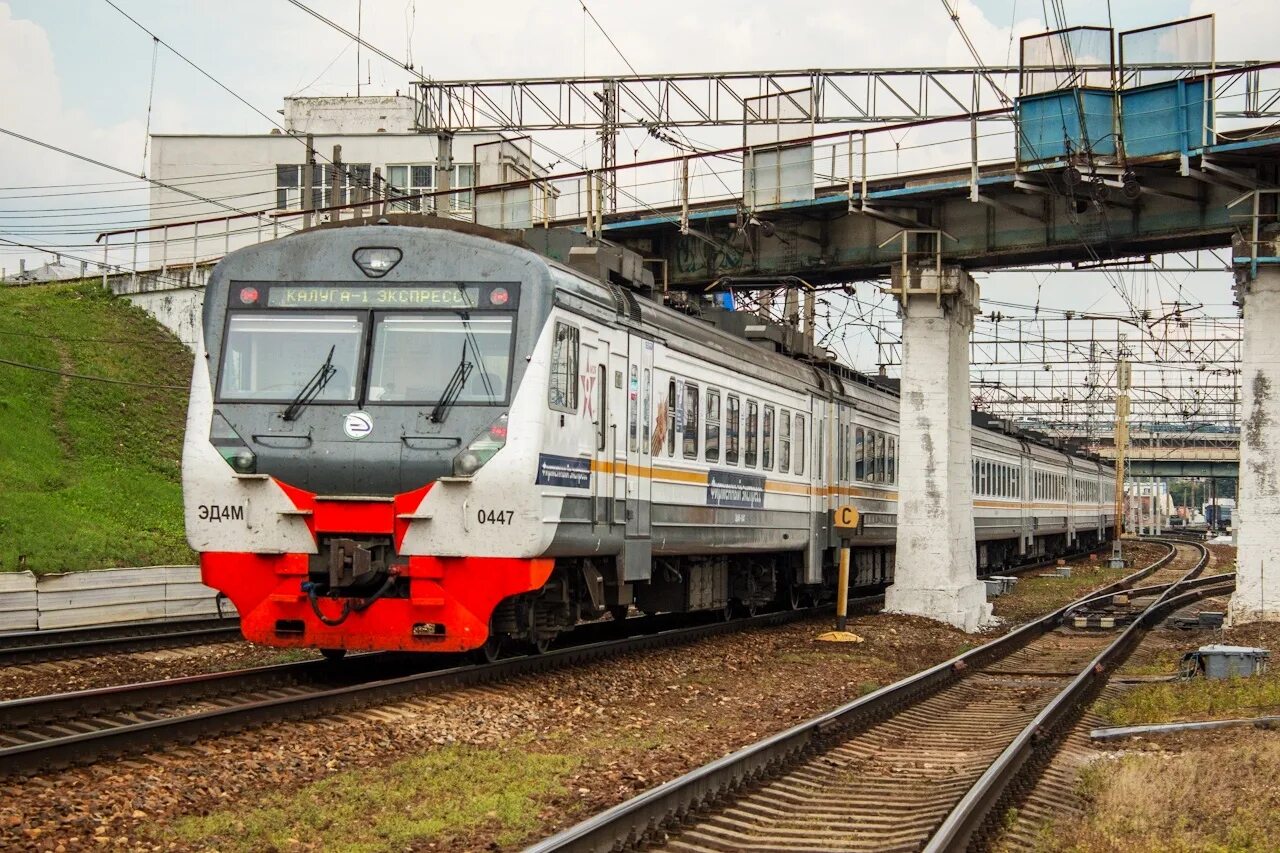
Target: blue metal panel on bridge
(1164,118)
(1054,125)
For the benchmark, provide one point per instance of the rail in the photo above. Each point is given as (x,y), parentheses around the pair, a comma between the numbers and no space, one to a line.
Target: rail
(629,823)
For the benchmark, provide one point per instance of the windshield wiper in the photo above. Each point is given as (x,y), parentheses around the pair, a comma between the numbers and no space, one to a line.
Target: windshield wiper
(475,345)
(453,390)
(313,387)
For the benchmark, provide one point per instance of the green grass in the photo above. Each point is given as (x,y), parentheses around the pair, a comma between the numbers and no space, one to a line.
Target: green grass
(441,797)
(1196,699)
(90,472)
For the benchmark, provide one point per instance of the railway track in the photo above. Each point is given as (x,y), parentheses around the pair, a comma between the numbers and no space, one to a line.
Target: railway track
(73,728)
(40,646)
(922,764)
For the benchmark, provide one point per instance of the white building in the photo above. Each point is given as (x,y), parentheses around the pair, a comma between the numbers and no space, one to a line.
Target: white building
(264,174)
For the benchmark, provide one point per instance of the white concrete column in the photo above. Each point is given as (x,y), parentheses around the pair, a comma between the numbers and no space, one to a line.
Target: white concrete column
(1257,513)
(936,572)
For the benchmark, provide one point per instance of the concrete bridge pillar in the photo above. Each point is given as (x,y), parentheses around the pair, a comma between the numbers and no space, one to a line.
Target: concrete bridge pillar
(1257,515)
(936,571)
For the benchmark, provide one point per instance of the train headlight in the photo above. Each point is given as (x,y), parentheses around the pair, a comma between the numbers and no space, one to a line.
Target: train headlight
(245,461)
(376,261)
(481,450)
(231,446)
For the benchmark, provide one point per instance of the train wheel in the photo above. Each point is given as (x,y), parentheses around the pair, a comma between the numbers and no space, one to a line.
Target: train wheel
(491,650)
(619,611)
(334,654)
(540,643)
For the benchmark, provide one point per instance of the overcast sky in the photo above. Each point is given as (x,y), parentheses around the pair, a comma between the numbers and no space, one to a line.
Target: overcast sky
(77,73)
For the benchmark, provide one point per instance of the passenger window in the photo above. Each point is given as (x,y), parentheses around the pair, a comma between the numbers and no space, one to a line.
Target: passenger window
(712,448)
(784,441)
(562,392)
(690,421)
(753,434)
(880,457)
(633,402)
(732,425)
(766,451)
(671,417)
(859,457)
(893,460)
(800,443)
(646,409)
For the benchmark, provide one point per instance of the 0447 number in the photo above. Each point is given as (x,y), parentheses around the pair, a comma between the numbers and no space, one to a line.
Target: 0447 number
(495,516)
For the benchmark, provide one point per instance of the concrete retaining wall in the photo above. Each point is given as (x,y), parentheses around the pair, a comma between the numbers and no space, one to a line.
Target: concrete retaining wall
(105,597)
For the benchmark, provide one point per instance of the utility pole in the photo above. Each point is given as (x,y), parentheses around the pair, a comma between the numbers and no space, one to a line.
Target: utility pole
(1122,442)
(308,182)
(444,173)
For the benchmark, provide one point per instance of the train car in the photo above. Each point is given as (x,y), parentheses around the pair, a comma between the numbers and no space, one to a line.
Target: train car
(427,436)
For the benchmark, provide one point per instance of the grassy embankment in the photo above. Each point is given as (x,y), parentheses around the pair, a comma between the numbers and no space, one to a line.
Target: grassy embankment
(89,471)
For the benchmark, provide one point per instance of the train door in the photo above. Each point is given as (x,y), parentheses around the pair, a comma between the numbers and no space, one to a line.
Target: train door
(637,547)
(603,434)
(820,504)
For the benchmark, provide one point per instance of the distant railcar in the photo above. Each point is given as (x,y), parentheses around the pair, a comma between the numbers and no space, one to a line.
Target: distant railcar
(437,439)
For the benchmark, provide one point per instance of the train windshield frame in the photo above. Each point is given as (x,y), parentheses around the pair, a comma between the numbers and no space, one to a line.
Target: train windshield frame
(415,355)
(270,357)
(392,345)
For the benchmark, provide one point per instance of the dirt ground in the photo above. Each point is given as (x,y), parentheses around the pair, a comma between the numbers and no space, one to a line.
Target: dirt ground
(487,768)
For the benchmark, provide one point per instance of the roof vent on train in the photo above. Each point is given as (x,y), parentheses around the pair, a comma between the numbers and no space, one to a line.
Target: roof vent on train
(613,265)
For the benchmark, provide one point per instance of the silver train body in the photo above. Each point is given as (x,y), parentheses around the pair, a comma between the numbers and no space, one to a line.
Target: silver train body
(601,451)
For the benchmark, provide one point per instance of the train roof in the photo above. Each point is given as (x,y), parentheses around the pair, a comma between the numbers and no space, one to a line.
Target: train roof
(610,280)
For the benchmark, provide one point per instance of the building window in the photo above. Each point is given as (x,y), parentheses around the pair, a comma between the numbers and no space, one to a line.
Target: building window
(712,448)
(753,434)
(409,179)
(766,452)
(800,443)
(731,429)
(690,421)
(563,390)
(464,175)
(356,185)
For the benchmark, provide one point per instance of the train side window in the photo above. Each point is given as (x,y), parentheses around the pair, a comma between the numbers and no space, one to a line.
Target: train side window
(732,425)
(882,458)
(602,395)
(671,417)
(752,455)
(859,455)
(841,452)
(562,393)
(800,443)
(712,441)
(690,421)
(872,470)
(766,448)
(784,441)
(633,404)
(646,409)
(893,460)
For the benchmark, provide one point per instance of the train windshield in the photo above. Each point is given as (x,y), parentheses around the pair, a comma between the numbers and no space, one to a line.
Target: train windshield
(271,358)
(416,355)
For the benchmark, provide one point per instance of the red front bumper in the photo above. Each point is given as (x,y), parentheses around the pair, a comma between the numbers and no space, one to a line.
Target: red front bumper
(457,594)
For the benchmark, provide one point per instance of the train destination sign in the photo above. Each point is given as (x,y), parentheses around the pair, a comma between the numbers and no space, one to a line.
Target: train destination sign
(401,296)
